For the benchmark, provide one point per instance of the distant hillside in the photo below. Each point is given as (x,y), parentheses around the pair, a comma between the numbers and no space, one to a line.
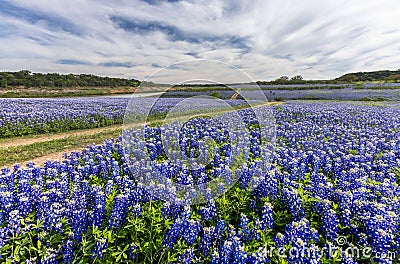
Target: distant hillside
(371,76)
(28,79)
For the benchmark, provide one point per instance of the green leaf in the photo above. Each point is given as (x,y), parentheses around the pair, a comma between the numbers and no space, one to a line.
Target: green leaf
(16,253)
(109,235)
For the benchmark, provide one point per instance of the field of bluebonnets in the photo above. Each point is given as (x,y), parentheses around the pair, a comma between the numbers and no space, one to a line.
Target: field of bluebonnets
(332,184)
(19,117)
(384,93)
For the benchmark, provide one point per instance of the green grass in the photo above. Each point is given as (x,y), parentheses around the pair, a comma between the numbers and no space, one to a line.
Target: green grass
(375,99)
(15,154)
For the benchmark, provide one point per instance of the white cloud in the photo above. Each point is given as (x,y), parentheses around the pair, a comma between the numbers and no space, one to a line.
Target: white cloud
(265,38)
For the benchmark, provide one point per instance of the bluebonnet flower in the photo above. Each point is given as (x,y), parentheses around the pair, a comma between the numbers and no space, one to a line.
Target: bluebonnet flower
(99,248)
(68,251)
(220,229)
(132,251)
(99,208)
(300,230)
(266,216)
(7,201)
(362,239)
(184,227)
(345,217)
(280,240)
(330,224)
(215,258)
(79,223)
(49,257)
(24,205)
(208,237)
(348,260)
(293,201)
(259,257)
(208,212)
(246,234)
(53,218)
(380,230)
(109,187)
(173,233)
(187,257)
(119,212)
(63,114)
(244,175)
(14,222)
(190,230)
(232,251)
(171,210)
(137,209)
(253,205)
(186,212)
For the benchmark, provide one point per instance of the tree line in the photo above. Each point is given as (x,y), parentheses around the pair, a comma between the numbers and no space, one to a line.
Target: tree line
(298,79)
(28,79)
(373,76)
(391,76)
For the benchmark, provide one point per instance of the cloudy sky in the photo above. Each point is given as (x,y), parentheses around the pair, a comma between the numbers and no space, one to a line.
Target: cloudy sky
(265,38)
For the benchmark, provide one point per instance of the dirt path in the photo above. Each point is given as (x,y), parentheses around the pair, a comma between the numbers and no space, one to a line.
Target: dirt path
(22,141)
(39,161)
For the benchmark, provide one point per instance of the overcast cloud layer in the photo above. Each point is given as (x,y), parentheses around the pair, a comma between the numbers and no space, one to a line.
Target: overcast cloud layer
(266,39)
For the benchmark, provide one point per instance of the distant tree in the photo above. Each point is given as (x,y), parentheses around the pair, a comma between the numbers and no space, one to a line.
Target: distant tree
(394,77)
(23,73)
(278,99)
(350,78)
(4,83)
(297,78)
(6,79)
(282,79)
(215,94)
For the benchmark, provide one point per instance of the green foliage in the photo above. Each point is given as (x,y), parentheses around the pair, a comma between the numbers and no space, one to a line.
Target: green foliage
(278,99)
(297,78)
(27,79)
(385,75)
(215,94)
(367,99)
